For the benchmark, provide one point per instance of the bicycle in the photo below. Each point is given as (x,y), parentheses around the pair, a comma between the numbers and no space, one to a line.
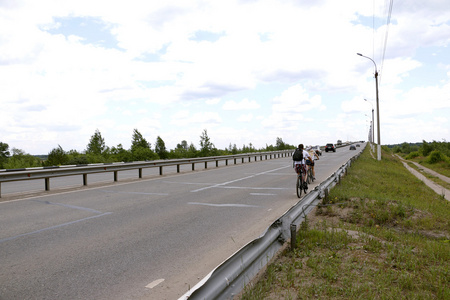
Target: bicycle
(301,185)
(309,173)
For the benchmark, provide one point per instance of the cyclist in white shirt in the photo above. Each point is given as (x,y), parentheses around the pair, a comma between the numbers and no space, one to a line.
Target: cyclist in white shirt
(314,155)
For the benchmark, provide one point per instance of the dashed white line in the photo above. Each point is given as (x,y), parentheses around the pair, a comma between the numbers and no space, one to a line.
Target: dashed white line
(223,205)
(262,194)
(236,180)
(154,283)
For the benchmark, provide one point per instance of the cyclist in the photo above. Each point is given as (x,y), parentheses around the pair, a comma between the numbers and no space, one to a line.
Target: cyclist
(302,165)
(310,162)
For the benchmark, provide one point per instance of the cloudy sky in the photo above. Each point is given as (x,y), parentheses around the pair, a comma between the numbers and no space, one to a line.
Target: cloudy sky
(246,71)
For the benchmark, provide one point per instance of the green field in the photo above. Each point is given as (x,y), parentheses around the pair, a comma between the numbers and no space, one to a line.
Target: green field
(382,234)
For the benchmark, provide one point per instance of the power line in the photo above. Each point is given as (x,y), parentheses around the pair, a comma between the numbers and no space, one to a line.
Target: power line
(388,22)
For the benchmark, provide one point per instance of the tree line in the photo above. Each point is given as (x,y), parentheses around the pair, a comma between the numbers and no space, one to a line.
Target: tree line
(141,150)
(432,152)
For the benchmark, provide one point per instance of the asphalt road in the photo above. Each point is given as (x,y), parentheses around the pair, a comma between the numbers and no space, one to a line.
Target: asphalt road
(151,238)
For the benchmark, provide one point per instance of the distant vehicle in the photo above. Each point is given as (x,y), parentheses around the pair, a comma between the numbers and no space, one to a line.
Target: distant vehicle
(352,147)
(317,150)
(330,147)
(357,145)
(339,142)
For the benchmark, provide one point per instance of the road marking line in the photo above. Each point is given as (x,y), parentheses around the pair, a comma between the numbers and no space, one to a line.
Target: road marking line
(69,206)
(253,188)
(52,227)
(236,180)
(223,205)
(262,194)
(154,283)
(134,193)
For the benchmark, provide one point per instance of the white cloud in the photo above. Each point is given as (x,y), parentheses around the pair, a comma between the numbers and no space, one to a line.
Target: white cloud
(245,104)
(245,118)
(290,63)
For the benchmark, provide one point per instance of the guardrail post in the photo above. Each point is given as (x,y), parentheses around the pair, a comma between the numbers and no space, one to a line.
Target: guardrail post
(235,161)
(242,160)
(178,168)
(0,189)
(160,170)
(226,162)
(193,166)
(293,236)
(84,179)
(217,163)
(206,165)
(115,176)
(140,172)
(47,184)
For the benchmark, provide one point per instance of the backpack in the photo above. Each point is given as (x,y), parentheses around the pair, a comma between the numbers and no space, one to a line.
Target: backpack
(298,155)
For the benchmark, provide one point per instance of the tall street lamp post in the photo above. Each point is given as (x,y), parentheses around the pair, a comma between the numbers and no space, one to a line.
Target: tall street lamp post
(378,107)
(373,129)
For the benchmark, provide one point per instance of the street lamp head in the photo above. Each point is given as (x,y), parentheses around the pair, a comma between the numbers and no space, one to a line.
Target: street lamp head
(359,54)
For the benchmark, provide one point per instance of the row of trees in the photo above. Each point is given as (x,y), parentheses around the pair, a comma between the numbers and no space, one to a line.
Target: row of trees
(98,152)
(434,152)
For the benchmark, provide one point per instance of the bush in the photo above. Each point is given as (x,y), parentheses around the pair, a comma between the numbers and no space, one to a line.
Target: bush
(21,159)
(78,160)
(435,157)
(413,155)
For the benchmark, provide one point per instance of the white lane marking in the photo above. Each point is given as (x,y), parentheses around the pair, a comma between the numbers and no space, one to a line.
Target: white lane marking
(52,227)
(253,188)
(236,180)
(223,205)
(154,283)
(262,194)
(134,193)
(69,206)
(188,183)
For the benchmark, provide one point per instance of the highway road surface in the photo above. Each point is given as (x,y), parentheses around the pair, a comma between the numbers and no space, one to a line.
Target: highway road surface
(150,238)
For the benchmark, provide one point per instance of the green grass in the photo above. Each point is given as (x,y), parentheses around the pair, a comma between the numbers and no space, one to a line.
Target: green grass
(440,167)
(384,236)
(431,177)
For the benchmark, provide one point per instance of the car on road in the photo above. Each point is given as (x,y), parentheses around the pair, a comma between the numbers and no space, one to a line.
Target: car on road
(339,142)
(357,145)
(352,147)
(317,150)
(330,147)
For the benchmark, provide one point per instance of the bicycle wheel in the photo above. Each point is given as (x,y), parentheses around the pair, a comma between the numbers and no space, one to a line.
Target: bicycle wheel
(299,186)
(308,176)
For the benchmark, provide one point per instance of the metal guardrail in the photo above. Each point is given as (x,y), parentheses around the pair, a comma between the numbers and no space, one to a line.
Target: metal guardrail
(58,171)
(231,277)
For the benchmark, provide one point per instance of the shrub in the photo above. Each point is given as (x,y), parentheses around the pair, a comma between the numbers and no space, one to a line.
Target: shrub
(413,154)
(435,157)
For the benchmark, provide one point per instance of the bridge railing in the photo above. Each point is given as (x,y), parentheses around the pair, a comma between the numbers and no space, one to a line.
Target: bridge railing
(46,173)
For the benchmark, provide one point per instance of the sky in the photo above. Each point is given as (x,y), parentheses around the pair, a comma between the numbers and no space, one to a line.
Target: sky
(246,71)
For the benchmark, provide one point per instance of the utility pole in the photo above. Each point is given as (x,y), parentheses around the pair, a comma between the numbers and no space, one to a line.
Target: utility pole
(378,107)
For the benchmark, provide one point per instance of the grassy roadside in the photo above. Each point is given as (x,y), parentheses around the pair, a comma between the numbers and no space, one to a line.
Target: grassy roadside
(429,176)
(440,167)
(383,235)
